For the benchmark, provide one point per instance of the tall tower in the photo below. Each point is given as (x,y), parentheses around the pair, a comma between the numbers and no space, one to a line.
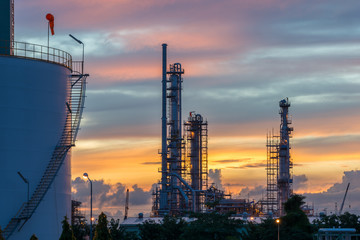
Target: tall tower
(285,178)
(279,164)
(175,195)
(175,141)
(196,161)
(171,194)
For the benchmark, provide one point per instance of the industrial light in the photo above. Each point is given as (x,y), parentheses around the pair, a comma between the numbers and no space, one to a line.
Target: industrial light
(83,50)
(86,176)
(80,42)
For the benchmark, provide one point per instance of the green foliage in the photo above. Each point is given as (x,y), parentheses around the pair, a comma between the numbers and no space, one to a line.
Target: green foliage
(213,226)
(150,230)
(101,230)
(172,228)
(295,224)
(348,220)
(80,230)
(294,203)
(204,226)
(266,230)
(1,237)
(118,232)
(345,220)
(67,233)
(34,237)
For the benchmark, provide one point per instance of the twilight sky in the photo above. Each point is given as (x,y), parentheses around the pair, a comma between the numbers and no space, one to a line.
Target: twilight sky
(241,57)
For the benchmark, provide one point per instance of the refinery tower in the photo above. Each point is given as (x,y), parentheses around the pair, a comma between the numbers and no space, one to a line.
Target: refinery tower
(279,163)
(42,96)
(183,154)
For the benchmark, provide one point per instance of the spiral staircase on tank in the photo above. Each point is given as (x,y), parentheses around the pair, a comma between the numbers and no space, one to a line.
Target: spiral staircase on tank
(74,108)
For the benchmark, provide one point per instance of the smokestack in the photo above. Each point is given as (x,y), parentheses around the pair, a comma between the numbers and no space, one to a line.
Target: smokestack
(163,194)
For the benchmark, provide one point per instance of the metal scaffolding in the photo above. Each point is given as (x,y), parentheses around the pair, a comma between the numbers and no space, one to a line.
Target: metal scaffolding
(196,162)
(272,143)
(279,164)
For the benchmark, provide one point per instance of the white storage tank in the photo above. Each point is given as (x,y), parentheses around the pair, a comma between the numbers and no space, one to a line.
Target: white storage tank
(33,104)
(41,101)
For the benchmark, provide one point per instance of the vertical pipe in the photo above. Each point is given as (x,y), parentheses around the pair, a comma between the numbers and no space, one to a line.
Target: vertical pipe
(163,193)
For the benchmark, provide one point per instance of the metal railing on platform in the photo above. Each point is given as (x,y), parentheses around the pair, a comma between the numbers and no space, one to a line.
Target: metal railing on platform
(35,51)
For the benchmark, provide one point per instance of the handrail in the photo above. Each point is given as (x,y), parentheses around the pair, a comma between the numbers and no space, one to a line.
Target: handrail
(35,51)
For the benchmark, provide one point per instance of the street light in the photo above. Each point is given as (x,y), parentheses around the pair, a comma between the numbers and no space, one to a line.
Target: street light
(80,42)
(86,176)
(278,223)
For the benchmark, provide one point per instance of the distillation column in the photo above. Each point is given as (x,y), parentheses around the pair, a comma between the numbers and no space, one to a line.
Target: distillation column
(172,197)
(285,165)
(175,141)
(196,157)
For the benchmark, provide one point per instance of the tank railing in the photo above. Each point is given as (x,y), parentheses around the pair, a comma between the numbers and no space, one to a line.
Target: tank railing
(77,67)
(35,51)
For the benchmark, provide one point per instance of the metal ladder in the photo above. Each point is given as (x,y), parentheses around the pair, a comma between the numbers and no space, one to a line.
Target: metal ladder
(74,113)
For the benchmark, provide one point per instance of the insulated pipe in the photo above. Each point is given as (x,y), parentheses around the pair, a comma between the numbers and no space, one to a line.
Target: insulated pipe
(188,186)
(183,194)
(163,193)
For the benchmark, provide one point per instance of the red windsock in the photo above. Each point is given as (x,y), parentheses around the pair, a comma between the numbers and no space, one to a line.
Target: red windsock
(50,18)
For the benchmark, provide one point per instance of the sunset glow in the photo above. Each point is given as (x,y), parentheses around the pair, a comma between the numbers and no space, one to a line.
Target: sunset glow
(240,59)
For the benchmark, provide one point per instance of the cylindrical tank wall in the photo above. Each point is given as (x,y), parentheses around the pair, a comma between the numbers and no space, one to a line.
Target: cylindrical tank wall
(33,97)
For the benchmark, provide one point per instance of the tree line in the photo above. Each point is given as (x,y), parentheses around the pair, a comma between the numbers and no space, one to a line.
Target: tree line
(294,225)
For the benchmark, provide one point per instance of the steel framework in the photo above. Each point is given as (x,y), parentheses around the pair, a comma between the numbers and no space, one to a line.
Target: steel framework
(196,157)
(272,143)
(176,195)
(279,164)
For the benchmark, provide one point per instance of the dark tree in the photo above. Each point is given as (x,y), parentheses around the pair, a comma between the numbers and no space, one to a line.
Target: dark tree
(116,232)
(80,230)
(345,220)
(101,230)
(150,230)
(348,220)
(67,233)
(34,237)
(214,226)
(295,224)
(266,230)
(173,228)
